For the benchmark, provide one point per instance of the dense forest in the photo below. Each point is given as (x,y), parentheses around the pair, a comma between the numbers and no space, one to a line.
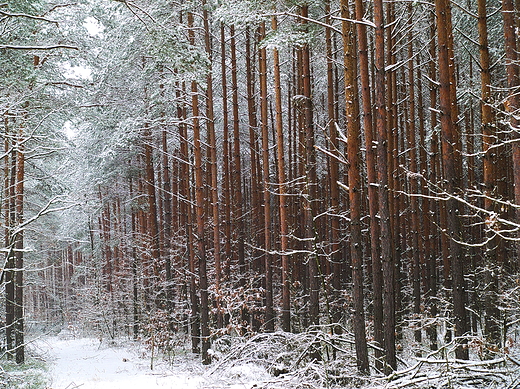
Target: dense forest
(345,169)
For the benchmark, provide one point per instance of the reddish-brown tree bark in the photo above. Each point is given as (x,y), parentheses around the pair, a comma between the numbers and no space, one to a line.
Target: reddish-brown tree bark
(414,186)
(199,213)
(354,184)
(284,231)
(269,308)
(489,136)
(510,16)
(309,203)
(19,242)
(210,123)
(450,161)
(335,254)
(238,220)
(10,220)
(387,254)
(226,169)
(372,189)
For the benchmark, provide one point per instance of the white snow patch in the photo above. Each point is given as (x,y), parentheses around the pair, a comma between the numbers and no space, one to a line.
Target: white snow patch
(89,364)
(76,72)
(246,374)
(70,132)
(93,26)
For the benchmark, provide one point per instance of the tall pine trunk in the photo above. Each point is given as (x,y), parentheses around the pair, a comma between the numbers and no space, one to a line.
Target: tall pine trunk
(354,184)
(370,146)
(199,214)
(237,169)
(269,309)
(335,255)
(492,260)
(312,181)
(226,169)
(510,16)
(10,222)
(210,122)
(284,231)
(415,229)
(387,253)
(450,159)
(19,242)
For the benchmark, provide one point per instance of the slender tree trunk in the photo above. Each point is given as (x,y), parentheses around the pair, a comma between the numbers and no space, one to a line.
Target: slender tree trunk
(354,183)
(135,264)
(19,242)
(167,208)
(387,253)
(256,216)
(335,255)
(312,181)
(269,311)
(10,220)
(210,121)
(152,203)
(153,231)
(451,169)
(186,214)
(192,265)
(186,210)
(433,241)
(225,154)
(492,263)
(199,213)
(300,216)
(510,16)
(428,252)
(370,145)
(284,232)
(414,187)
(237,167)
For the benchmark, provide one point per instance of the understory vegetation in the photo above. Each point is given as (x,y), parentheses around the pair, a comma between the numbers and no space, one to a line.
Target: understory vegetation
(34,374)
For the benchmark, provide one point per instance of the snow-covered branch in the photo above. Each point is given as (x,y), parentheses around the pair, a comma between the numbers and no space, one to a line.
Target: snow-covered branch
(50,47)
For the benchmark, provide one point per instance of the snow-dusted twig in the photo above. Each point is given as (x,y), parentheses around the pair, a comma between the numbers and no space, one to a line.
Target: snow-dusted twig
(51,47)
(28,16)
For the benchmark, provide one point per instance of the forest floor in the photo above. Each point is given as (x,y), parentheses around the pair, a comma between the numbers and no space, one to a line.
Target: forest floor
(264,361)
(88,363)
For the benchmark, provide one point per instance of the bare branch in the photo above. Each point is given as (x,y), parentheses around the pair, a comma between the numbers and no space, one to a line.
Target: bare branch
(66,84)
(16,47)
(53,8)
(22,15)
(313,21)
(365,22)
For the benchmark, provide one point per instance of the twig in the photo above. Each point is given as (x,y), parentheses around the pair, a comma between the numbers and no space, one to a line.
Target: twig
(18,15)
(15,47)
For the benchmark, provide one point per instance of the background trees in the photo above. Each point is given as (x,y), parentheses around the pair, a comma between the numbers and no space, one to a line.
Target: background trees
(247,167)
(30,149)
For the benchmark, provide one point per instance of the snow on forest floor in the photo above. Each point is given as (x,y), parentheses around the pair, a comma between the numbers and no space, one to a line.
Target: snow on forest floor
(264,361)
(87,363)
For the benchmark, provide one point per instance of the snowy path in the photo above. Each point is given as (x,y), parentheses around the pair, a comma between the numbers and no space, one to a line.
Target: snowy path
(87,364)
